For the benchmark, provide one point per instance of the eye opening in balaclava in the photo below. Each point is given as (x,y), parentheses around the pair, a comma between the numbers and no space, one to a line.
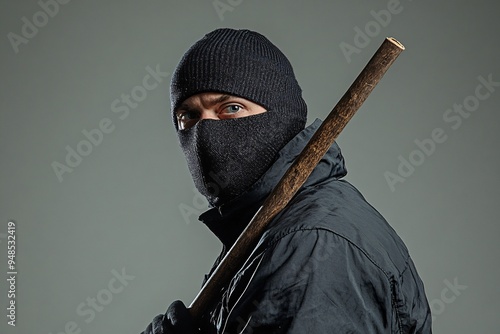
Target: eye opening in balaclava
(225,157)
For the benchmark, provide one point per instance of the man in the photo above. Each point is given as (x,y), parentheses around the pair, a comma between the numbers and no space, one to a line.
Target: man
(329,262)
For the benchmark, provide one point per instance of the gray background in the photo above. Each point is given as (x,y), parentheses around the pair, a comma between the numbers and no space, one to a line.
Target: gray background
(121,206)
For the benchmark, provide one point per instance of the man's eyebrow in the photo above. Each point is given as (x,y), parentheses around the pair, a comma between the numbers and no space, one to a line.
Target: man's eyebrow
(218,99)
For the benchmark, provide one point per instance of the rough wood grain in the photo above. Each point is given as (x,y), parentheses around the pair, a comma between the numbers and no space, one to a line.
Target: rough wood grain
(297,174)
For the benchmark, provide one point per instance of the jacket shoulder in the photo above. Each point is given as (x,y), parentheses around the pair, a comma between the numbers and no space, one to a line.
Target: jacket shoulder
(337,207)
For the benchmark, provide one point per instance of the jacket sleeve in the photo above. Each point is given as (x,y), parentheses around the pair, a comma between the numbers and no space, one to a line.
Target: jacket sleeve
(312,281)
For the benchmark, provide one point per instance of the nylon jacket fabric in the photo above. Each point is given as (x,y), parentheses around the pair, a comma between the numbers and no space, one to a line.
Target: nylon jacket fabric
(328,263)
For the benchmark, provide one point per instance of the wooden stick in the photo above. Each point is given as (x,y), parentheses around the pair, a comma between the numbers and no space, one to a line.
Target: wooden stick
(297,174)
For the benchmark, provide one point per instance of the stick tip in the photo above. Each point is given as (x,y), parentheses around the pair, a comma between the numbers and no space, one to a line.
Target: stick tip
(396,42)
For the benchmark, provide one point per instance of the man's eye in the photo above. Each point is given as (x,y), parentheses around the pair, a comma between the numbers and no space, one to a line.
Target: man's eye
(188,115)
(187,119)
(232,109)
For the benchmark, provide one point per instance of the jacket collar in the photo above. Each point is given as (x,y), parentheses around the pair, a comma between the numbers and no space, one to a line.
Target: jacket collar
(229,220)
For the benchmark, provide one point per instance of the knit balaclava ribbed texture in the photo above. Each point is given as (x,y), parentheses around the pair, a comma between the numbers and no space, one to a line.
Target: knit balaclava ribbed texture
(225,157)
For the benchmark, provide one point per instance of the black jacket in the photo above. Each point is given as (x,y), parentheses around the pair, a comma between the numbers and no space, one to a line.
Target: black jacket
(328,263)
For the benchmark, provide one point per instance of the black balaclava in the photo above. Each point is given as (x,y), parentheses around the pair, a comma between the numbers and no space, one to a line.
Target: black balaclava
(225,157)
